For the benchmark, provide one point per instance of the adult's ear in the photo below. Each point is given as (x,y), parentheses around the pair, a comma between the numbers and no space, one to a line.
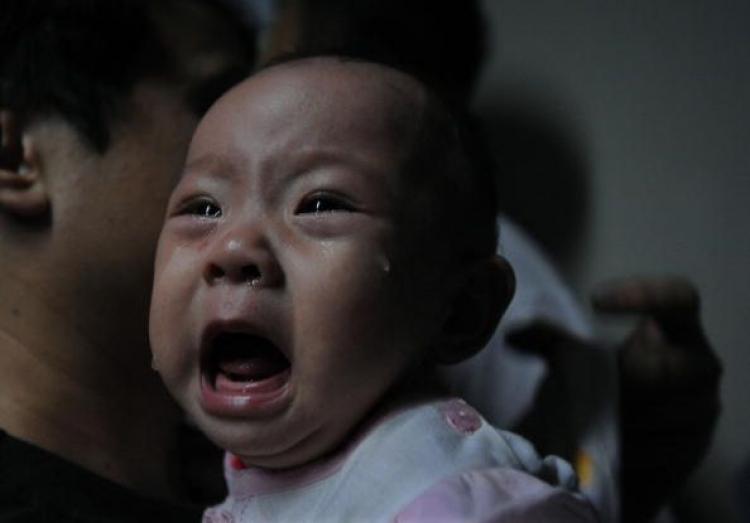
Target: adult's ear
(476,308)
(23,192)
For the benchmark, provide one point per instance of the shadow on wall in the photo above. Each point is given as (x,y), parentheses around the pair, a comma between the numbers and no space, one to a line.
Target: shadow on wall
(543,168)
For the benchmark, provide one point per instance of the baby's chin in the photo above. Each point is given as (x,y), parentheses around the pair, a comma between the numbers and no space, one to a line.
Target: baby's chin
(273,445)
(303,428)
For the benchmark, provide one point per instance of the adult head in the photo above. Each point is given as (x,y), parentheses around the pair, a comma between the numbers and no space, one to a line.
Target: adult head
(98,100)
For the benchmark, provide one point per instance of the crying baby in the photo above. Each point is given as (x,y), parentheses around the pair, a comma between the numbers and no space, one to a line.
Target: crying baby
(327,247)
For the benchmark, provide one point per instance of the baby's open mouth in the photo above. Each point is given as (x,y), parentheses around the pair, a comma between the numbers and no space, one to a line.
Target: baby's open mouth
(234,360)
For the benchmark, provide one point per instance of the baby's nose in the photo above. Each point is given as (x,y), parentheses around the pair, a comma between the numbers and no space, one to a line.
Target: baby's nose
(243,261)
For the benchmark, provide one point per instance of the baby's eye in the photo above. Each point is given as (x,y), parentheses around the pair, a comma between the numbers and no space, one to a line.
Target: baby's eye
(202,208)
(324,202)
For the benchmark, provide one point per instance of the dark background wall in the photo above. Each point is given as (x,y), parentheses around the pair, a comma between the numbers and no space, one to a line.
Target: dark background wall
(643,109)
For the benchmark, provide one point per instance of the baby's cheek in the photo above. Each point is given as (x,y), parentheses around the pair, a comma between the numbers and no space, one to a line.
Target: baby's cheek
(174,272)
(158,335)
(167,324)
(172,363)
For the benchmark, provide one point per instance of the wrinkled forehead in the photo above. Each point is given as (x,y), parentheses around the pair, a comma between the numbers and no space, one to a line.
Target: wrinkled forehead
(318,102)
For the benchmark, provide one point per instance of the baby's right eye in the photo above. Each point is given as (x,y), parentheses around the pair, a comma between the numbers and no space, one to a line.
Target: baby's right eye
(201,207)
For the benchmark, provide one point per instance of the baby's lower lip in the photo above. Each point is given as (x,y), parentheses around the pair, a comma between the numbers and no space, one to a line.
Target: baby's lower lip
(234,399)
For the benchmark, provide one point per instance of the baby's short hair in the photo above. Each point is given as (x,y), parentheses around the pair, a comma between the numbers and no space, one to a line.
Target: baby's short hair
(445,165)
(446,161)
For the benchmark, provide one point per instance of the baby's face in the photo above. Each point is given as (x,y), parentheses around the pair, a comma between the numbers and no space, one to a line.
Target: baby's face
(287,299)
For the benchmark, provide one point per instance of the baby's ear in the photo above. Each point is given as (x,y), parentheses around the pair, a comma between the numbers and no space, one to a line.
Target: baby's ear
(23,192)
(476,309)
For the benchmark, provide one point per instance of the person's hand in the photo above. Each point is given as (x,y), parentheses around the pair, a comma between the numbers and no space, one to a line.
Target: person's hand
(668,349)
(669,388)
(668,380)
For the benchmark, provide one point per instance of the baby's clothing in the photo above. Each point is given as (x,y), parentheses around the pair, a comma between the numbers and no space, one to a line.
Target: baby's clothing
(437,461)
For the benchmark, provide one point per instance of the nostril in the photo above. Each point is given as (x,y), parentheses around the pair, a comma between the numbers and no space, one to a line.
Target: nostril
(214,272)
(251,273)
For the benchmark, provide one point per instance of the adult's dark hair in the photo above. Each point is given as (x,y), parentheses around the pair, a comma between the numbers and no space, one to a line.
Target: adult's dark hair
(440,42)
(79,59)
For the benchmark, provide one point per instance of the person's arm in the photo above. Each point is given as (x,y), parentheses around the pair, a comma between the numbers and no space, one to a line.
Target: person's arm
(669,384)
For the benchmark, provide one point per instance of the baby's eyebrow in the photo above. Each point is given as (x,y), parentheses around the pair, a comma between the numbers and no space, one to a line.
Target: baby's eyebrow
(309,158)
(306,161)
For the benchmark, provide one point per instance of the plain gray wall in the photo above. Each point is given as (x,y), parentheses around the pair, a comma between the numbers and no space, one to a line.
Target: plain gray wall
(657,94)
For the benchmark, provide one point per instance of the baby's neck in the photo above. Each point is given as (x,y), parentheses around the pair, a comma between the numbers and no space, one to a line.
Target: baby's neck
(414,388)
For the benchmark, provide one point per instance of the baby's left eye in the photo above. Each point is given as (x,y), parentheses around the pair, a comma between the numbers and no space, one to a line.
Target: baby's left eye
(320,203)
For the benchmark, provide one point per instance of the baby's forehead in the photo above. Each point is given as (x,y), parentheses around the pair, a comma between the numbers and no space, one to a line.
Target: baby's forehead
(364,107)
(360,75)
(340,97)
(347,89)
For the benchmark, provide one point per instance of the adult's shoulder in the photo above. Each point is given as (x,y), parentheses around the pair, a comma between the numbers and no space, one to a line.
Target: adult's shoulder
(37,485)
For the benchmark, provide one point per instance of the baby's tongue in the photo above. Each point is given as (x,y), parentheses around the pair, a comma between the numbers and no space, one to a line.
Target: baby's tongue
(245,359)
